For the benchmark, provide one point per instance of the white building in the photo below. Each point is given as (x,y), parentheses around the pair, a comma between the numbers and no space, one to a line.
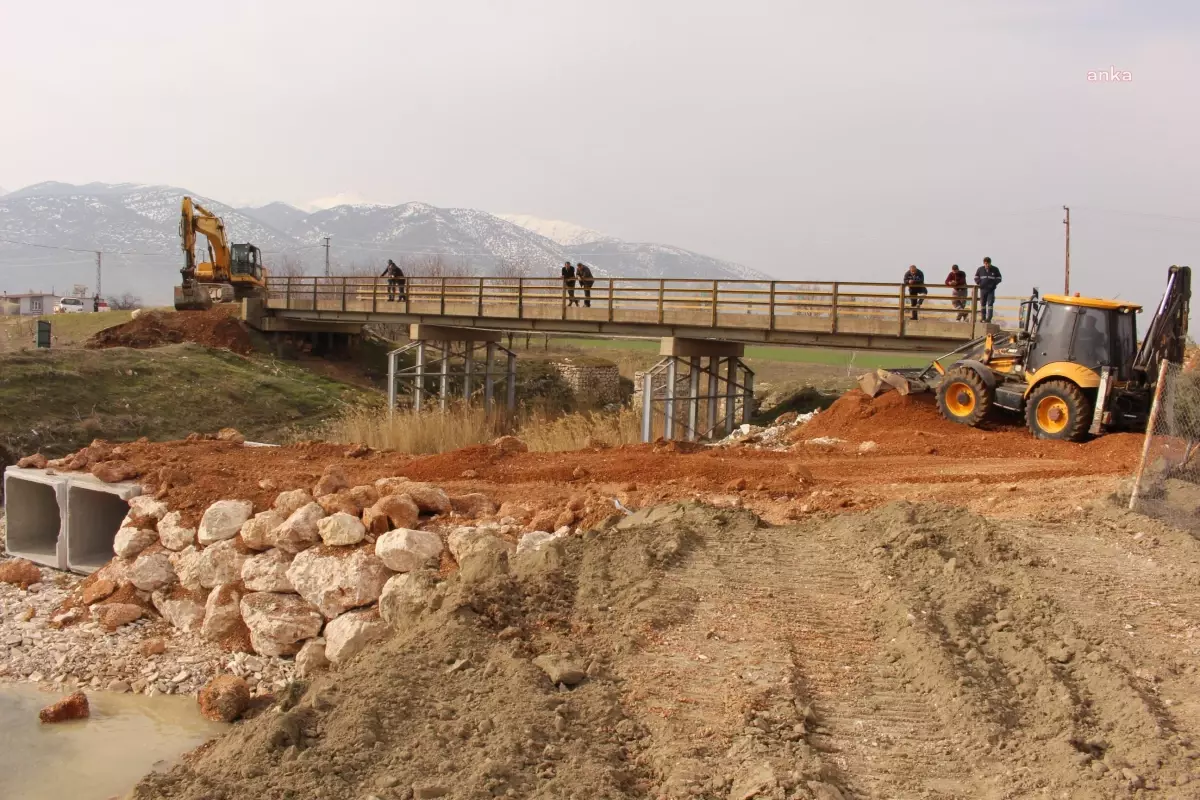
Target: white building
(30,303)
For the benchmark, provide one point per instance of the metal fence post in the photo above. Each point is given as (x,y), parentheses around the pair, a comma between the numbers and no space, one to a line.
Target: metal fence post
(287,293)
(1155,408)
(662,286)
(647,406)
(771,309)
(833,313)
(520,298)
(974,310)
(443,293)
(610,299)
(902,309)
(344,280)
(374,295)
(315,294)
(480,296)
(714,304)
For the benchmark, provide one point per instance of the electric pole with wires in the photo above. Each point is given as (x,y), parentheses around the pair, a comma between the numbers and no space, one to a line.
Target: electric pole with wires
(1067,264)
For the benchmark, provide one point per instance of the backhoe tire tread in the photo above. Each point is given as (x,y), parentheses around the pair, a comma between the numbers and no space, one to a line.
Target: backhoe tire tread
(1078,409)
(984,396)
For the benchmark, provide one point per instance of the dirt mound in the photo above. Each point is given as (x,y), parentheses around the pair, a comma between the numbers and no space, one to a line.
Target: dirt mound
(218,328)
(910,652)
(912,424)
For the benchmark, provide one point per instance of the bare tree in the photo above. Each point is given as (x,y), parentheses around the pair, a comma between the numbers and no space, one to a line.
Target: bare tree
(126,302)
(286,266)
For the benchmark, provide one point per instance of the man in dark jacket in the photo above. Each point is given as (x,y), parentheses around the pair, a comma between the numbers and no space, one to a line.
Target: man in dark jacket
(987,278)
(395,276)
(957,280)
(914,279)
(584,274)
(568,276)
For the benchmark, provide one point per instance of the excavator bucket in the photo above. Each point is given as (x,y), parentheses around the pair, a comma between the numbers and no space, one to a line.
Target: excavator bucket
(881,380)
(193,297)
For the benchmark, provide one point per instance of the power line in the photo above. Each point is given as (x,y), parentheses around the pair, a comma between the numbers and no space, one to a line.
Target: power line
(82,249)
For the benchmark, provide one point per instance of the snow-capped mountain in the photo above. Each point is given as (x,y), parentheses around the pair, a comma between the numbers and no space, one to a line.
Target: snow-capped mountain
(137,228)
(277,215)
(568,234)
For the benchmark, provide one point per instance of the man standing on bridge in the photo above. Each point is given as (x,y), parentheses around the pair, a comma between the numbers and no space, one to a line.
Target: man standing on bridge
(395,278)
(568,276)
(957,280)
(914,279)
(584,274)
(987,278)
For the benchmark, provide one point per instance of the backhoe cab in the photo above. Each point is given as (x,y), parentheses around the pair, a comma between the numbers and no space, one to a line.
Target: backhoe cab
(1073,368)
(231,273)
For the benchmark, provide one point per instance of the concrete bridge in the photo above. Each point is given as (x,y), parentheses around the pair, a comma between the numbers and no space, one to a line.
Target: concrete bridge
(841,314)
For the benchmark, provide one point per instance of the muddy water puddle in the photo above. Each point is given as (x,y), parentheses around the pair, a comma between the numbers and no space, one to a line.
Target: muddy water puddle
(98,758)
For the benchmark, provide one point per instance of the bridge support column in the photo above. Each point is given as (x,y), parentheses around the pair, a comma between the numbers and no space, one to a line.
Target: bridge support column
(440,365)
(678,402)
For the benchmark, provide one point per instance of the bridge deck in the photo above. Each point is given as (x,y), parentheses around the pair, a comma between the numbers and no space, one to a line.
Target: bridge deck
(841,314)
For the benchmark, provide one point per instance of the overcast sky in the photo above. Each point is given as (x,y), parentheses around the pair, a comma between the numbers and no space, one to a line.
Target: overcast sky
(811,140)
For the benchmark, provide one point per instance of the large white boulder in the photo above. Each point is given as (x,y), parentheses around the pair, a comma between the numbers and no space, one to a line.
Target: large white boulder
(173,534)
(288,503)
(464,541)
(130,541)
(341,529)
(311,658)
(223,520)
(186,564)
(335,582)
(267,572)
(350,633)
(278,623)
(220,563)
(222,613)
(300,530)
(405,550)
(147,507)
(151,572)
(405,597)
(181,607)
(257,532)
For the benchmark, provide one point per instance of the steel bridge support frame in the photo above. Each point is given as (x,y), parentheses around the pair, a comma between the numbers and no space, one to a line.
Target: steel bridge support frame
(675,392)
(454,365)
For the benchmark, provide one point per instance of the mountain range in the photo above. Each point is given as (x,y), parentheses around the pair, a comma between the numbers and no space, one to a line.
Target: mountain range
(48,233)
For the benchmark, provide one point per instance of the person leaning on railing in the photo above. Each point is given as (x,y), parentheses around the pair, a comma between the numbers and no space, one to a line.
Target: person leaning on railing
(584,274)
(395,276)
(914,279)
(957,280)
(568,277)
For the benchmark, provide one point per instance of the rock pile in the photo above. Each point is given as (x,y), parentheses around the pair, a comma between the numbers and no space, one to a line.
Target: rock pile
(320,574)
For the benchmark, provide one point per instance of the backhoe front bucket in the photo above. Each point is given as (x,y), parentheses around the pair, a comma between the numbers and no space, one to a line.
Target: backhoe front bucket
(879,381)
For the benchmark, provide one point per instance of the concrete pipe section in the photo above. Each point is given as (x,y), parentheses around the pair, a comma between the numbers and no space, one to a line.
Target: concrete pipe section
(65,521)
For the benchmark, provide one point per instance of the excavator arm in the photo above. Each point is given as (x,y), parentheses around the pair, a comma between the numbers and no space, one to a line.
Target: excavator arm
(197,219)
(1166,335)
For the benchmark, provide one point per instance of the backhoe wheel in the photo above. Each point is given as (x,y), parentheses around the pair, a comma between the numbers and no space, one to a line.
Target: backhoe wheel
(964,397)
(1058,410)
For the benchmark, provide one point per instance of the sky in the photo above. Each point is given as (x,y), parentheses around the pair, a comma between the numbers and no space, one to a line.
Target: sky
(811,140)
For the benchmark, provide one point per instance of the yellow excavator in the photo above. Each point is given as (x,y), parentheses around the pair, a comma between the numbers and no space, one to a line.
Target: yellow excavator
(231,273)
(1074,368)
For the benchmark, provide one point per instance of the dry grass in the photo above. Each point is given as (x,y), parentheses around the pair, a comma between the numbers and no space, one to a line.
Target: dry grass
(463,426)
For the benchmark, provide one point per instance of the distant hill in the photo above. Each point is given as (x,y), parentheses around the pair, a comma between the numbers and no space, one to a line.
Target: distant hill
(137,228)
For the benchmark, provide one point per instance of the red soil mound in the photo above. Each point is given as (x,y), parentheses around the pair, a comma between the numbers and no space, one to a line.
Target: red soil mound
(912,424)
(217,328)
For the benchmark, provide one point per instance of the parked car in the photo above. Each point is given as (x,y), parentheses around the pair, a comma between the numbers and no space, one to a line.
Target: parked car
(72,305)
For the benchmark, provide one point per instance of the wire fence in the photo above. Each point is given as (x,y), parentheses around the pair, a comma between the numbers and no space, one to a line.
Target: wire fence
(1167,482)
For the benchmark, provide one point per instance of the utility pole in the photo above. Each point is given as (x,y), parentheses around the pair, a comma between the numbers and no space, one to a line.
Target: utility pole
(98,273)
(1067,265)
(326,256)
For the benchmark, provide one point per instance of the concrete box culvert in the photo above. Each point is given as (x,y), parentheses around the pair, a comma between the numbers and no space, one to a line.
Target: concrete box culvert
(94,513)
(34,516)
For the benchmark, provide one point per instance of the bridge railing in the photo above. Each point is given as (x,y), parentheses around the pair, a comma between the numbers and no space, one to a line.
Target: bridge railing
(835,306)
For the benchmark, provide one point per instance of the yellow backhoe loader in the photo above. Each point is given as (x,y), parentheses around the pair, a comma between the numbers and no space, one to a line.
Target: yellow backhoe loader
(1074,368)
(231,272)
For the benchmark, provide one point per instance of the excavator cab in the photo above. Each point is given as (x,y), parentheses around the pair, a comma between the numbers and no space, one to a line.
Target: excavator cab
(246,263)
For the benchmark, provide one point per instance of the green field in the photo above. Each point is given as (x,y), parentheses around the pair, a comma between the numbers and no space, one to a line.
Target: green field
(55,401)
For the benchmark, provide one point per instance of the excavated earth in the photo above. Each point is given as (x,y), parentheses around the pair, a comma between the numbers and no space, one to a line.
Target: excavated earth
(913,651)
(217,327)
